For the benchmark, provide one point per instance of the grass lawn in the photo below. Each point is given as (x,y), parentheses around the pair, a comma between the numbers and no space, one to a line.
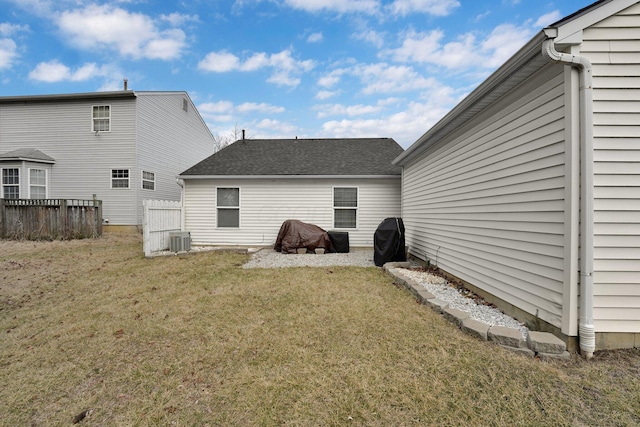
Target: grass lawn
(196,340)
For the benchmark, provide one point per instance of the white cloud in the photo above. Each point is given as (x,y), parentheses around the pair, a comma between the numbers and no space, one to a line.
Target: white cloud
(177,19)
(548,19)
(315,38)
(285,69)
(249,107)
(432,7)
(54,71)
(220,107)
(370,36)
(8,53)
(219,62)
(130,34)
(338,6)
(465,52)
(384,78)
(7,29)
(332,78)
(404,126)
(326,94)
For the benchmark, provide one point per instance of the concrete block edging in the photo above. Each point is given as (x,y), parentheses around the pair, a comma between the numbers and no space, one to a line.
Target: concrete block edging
(544,345)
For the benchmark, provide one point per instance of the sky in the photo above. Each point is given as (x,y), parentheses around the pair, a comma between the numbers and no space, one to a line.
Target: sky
(276,68)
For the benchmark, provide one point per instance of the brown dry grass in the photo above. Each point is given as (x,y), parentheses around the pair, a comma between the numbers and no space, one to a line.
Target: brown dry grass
(196,340)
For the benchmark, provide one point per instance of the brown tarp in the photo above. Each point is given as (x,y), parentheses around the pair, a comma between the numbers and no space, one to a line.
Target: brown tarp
(296,234)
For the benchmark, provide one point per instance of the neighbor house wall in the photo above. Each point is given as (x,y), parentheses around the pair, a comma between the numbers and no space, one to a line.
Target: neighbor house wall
(266,203)
(612,47)
(83,160)
(170,140)
(487,204)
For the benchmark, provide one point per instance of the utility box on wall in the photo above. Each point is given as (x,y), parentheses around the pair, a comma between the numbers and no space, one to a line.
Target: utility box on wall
(179,241)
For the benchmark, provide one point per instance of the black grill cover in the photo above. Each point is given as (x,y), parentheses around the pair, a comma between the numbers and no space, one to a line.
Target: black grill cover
(388,242)
(339,241)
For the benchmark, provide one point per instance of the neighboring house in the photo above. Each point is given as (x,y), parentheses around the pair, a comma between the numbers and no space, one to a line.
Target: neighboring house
(242,194)
(529,189)
(122,146)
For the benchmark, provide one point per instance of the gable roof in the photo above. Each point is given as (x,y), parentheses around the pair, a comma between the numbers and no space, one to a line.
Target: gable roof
(301,157)
(27,154)
(524,63)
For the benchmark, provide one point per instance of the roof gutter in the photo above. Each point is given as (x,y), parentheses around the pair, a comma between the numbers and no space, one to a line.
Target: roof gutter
(586,329)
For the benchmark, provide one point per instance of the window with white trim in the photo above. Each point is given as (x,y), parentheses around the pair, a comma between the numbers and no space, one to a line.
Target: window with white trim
(228,207)
(101,118)
(119,178)
(345,207)
(11,183)
(148,180)
(37,184)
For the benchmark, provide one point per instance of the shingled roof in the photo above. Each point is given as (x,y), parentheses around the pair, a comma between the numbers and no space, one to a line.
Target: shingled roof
(272,157)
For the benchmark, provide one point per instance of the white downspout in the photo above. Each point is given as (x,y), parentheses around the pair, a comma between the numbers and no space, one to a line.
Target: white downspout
(183,219)
(586,329)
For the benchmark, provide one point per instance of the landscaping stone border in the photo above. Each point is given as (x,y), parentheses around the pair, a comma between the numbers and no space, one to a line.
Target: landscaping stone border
(544,345)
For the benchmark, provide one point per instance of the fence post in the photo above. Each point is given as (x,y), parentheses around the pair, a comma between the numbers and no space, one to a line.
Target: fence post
(3,227)
(64,213)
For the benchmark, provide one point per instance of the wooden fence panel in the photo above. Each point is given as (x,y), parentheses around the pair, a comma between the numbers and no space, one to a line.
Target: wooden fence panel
(50,219)
(160,218)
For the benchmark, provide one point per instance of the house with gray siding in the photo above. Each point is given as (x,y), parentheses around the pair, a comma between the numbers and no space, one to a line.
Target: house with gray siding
(122,146)
(241,195)
(529,189)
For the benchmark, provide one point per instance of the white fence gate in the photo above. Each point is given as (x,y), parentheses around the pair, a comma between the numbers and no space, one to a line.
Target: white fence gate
(160,217)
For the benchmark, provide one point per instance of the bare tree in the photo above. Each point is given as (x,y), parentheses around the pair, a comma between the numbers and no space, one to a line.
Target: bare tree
(221,140)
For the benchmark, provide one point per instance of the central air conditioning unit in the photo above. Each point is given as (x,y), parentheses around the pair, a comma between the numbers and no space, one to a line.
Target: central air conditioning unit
(179,241)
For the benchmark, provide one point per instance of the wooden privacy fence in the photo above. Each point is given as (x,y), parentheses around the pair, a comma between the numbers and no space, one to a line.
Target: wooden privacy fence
(50,219)
(160,217)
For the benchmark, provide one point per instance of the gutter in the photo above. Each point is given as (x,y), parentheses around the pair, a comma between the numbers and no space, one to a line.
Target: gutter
(586,329)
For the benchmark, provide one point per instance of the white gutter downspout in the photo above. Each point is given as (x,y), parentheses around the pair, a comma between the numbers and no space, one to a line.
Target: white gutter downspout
(183,220)
(586,329)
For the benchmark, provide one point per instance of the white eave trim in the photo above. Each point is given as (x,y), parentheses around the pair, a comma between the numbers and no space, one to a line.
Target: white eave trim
(26,159)
(187,177)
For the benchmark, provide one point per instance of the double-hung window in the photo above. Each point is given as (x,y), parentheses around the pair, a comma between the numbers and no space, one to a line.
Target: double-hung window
(11,183)
(119,178)
(228,207)
(37,184)
(101,118)
(148,180)
(345,207)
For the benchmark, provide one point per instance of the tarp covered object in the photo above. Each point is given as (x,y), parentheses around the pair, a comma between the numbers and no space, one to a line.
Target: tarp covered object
(296,234)
(388,242)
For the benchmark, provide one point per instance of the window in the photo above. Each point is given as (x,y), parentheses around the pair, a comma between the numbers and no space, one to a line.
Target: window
(37,184)
(11,183)
(345,207)
(228,204)
(148,180)
(101,118)
(119,178)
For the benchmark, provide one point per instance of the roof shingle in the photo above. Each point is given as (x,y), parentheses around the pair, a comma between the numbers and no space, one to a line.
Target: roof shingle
(345,156)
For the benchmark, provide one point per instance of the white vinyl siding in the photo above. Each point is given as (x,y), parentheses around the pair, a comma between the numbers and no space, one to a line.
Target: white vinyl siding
(612,47)
(170,140)
(266,203)
(487,204)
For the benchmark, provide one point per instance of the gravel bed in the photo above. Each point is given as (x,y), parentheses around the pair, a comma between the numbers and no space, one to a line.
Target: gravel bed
(268,258)
(441,289)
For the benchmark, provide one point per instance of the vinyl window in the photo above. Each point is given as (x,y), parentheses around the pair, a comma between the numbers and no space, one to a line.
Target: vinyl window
(37,184)
(119,178)
(148,180)
(11,183)
(228,207)
(345,207)
(101,118)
